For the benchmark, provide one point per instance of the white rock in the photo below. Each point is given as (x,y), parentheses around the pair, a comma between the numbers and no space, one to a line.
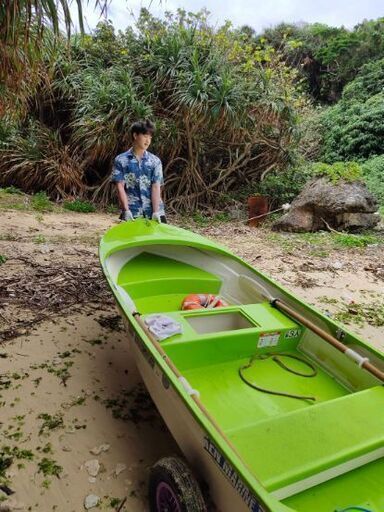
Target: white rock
(337,265)
(91,501)
(91,479)
(92,467)
(99,449)
(11,504)
(44,249)
(119,469)
(347,298)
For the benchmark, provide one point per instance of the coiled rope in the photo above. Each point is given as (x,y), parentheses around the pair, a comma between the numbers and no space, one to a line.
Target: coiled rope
(277,359)
(353,507)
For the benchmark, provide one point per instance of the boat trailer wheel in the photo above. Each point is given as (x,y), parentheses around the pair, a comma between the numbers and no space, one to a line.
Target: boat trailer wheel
(173,488)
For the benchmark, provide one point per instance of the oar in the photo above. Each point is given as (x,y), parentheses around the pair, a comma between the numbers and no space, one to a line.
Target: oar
(352,354)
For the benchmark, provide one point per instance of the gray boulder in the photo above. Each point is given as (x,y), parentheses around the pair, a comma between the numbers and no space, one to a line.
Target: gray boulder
(342,206)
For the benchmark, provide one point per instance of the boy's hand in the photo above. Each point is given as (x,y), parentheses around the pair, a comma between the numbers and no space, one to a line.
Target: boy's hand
(126,215)
(156,216)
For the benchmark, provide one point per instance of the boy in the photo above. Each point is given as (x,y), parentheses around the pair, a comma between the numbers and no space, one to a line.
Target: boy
(138,176)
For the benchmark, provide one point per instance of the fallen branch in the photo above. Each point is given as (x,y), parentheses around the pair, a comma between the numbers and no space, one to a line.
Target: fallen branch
(121,504)
(329,227)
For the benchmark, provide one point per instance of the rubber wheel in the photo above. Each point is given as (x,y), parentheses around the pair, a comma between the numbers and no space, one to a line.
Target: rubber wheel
(173,488)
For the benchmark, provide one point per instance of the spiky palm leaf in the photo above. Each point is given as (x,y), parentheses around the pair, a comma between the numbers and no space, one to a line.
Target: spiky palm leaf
(108,102)
(223,118)
(40,161)
(23,24)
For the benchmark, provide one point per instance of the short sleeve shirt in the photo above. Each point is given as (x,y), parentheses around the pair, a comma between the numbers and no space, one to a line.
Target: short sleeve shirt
(138,178)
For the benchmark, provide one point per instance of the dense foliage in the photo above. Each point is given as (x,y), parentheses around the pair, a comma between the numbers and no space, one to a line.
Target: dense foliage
(354,128)
(373,170)
(236,113)
(225,112)
(24,41)
(328,57)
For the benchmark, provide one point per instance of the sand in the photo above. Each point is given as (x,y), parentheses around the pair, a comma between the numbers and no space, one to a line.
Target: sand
(68,385)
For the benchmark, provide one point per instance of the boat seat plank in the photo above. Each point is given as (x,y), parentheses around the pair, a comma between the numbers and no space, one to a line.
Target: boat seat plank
(237,406)
(149,275)
(152,266)
(296,446)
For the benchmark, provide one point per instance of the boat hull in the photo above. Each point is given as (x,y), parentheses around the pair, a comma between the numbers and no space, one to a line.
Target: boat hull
(253,448)
(226,488)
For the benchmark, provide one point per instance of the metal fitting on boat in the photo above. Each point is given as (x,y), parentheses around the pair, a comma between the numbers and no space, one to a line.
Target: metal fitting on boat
(352,354)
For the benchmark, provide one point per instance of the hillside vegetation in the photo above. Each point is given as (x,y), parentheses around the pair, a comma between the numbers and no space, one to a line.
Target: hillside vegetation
(236,112)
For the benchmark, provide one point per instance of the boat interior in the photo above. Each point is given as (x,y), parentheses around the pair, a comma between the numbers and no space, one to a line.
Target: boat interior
(287,416)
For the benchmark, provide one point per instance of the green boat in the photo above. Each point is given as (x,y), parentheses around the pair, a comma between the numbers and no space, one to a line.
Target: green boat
(275,406)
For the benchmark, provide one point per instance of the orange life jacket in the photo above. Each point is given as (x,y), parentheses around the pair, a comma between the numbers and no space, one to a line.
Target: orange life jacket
(201,300)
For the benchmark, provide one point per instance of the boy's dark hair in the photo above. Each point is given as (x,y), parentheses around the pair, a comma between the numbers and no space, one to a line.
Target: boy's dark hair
(143,127)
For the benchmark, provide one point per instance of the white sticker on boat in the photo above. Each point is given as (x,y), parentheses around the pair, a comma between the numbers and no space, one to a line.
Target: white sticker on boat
(268,339)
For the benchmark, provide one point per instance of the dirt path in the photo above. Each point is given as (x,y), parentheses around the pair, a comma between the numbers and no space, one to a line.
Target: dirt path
(75,418)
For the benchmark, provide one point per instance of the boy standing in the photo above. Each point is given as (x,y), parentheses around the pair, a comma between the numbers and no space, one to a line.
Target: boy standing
(138,176)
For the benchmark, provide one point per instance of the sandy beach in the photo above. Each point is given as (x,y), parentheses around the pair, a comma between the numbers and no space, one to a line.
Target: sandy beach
(75,418)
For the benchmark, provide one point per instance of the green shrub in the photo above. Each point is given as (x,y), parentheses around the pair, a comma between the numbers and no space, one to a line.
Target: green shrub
(3,259)
(13,190)
(36,158)
(79,206)
(112,208)
(221,217)
(311,131)
(347,171)
(49,467)
(348,240)
(373,170)
(40,202)
(283,187)
(8,128)
(370,81)
(40,239)
(200,219)
(354,128)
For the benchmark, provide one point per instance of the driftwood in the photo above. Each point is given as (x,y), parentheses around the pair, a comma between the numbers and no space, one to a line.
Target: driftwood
(48,290)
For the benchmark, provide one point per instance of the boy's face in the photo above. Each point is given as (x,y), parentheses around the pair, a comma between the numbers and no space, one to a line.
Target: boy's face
(142,141)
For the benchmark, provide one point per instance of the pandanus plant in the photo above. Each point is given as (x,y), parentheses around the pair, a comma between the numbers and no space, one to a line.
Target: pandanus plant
(229,126)
(224,111)
(22,27)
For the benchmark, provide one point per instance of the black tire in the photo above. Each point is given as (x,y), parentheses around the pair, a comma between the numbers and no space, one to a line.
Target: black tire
(173,473)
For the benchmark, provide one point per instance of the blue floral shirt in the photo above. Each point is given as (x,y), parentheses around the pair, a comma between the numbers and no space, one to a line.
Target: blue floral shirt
(139,178)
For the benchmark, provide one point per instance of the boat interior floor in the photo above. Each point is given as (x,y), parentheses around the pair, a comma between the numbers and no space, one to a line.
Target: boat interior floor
(303,436)
(236,405)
